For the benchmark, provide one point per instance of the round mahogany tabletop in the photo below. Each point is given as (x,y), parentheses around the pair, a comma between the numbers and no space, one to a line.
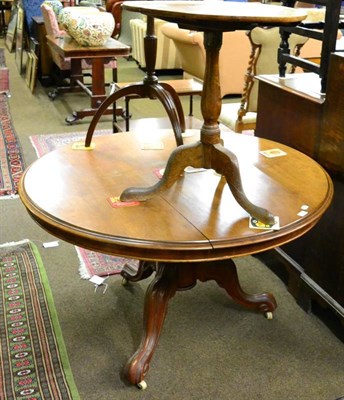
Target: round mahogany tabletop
(69,192)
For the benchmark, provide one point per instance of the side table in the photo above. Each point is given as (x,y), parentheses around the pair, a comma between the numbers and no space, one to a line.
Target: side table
(98,56)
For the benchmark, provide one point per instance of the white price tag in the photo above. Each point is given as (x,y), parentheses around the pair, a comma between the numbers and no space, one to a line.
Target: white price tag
(55,243)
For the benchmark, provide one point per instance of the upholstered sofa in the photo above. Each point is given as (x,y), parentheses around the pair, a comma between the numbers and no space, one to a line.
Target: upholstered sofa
(182,49)
(233,59)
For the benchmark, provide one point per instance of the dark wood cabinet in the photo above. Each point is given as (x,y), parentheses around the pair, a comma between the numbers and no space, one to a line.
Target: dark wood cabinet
(293,114)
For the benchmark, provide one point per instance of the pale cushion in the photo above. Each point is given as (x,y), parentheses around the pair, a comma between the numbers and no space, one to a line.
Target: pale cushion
(87,25)
(229,115)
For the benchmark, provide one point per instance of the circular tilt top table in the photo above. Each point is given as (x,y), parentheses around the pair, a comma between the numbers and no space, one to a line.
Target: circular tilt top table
(187,233)
(212,18)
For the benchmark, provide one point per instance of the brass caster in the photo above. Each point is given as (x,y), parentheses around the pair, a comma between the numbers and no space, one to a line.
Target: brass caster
(268,315)
(142,385)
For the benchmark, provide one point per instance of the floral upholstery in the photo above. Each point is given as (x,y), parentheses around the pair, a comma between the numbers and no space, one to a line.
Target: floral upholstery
(53,29)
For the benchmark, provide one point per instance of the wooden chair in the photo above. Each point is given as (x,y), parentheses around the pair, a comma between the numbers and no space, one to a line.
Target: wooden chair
(122,31)
(115,8)
(325,30)
(263,60)
(67,67)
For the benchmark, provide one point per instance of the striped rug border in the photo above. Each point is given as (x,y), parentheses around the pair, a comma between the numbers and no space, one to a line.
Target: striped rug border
(34,360)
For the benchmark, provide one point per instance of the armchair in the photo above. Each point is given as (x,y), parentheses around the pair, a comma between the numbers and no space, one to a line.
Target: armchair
(115,8)
(234,53)
(263,60)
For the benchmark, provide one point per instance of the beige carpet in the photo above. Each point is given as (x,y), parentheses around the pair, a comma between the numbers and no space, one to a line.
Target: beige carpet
(210,348)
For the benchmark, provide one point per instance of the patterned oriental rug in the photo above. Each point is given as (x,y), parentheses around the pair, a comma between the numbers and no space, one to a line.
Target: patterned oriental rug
(91,262)
(11,158)
(45,143)
(33,358)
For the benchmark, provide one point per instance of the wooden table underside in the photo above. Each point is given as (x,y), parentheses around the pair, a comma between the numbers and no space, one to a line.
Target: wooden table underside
(187,233)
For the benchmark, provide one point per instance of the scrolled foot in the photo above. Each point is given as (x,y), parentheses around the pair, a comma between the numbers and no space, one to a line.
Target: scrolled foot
(225,275)
(160,290)
(181,157)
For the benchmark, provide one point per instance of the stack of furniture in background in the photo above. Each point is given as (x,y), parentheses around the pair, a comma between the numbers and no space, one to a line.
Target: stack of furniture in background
(115,8)
(5,9)
(67,67)
(324,31)
(263,60)
(122,17)
(31,9)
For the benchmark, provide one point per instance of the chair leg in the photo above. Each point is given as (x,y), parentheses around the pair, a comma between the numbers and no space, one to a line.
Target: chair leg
(115,74)
(191,106)
(127,113)
(114,107)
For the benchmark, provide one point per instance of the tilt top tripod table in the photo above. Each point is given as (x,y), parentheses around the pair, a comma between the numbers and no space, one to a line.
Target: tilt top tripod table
(213,18)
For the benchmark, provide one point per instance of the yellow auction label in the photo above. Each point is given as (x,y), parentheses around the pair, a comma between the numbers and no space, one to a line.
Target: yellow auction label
(81,146)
